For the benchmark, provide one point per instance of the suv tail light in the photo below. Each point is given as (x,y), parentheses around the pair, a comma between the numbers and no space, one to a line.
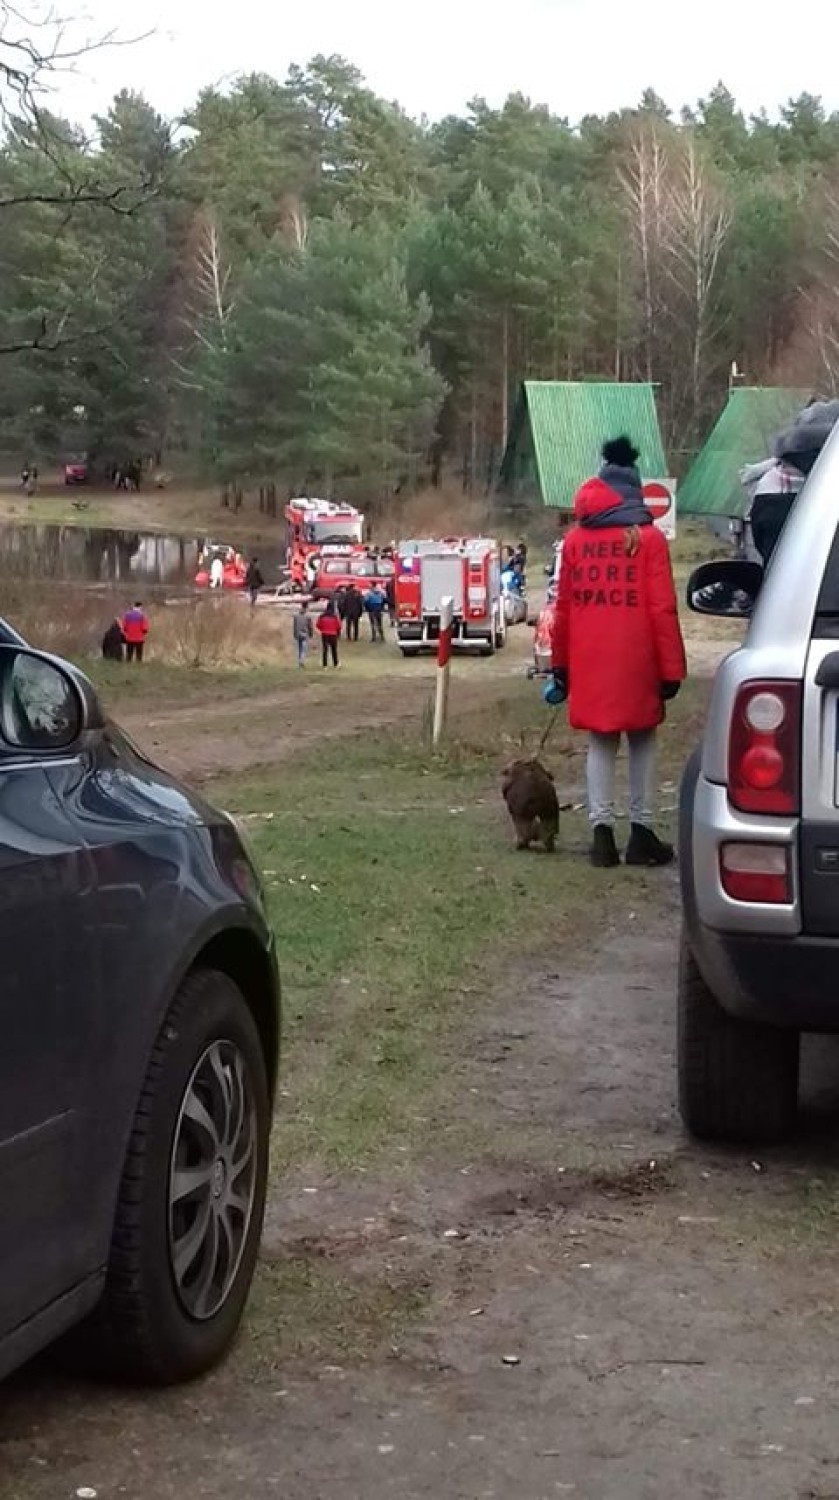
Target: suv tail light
(763,748)
(756,872)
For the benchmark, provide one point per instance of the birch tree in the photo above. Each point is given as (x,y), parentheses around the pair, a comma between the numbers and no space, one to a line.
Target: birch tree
(699,220)
(644,181)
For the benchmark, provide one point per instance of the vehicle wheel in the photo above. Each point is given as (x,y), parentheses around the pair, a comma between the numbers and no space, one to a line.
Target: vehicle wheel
(192,1197)
(738,1081)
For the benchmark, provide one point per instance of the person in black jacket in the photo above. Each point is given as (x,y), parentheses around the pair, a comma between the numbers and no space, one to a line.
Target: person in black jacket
(113,643)
(353,610)
(253,580)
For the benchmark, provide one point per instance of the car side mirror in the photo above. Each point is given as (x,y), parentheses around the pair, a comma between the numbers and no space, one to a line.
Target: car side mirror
(44,705)
(727,589)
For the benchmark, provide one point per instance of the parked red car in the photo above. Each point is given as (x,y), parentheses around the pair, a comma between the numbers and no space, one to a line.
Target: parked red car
(76,472)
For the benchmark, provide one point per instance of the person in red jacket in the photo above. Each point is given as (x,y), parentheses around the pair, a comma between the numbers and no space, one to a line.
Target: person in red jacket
(135,628)
(617,649)
(328,626)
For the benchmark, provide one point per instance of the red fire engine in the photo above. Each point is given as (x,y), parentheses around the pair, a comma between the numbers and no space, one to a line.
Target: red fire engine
(468,569)
(314,525)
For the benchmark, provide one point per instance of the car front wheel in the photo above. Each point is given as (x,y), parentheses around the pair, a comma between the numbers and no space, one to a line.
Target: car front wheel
(192,1197)
(738,1080)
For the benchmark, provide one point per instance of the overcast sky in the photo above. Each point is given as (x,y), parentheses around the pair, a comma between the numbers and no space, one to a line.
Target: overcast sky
(577,56)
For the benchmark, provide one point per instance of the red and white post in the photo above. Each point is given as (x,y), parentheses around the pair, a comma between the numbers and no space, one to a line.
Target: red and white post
(444,661)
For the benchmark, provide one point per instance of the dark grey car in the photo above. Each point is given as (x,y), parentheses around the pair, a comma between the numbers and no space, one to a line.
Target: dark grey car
(140,1028)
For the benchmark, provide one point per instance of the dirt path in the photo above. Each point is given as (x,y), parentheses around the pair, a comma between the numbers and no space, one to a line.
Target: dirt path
(670,1316)
(215,739)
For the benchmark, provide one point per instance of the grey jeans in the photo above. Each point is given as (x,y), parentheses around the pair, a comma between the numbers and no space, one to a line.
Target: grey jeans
(600,776)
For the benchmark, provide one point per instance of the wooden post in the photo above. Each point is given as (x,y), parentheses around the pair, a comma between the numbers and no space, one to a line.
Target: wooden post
(444,661)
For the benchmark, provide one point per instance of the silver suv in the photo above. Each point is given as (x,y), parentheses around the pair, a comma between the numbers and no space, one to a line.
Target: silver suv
(759,835)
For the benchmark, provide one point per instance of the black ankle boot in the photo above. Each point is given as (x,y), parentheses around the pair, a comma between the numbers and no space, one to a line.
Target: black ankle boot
(604,852)
(645,849)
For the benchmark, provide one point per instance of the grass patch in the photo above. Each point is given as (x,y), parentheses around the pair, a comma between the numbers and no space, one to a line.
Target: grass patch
(310,1309)
(398,898)
(798,1212)
(165,686)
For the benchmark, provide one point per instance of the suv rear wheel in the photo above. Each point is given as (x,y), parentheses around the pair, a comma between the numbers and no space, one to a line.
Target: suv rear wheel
(191,1201)
(738,1081)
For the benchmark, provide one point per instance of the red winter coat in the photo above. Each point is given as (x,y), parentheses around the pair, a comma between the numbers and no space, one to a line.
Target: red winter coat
(328,625)
(616,627)
(135,627)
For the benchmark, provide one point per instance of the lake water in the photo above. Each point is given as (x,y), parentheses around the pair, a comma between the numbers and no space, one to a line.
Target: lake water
(78,554)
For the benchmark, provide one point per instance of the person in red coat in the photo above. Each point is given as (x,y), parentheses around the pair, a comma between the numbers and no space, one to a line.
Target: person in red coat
(135,628)
(328,626)
(617,649)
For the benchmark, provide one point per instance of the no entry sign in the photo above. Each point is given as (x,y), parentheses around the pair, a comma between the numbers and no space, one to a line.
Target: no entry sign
(660,496)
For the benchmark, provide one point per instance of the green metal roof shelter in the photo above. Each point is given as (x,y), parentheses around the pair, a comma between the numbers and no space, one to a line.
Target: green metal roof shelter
(559,428)
(743,435)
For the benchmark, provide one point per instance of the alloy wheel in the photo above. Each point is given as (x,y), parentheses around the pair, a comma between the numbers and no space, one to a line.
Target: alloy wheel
(212,1179)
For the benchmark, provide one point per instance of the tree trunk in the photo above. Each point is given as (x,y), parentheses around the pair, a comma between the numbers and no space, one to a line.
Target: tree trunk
(473,440)
(505,377)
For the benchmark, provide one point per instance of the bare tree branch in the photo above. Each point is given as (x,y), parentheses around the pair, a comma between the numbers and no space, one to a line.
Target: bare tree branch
(36,46)
(88,193)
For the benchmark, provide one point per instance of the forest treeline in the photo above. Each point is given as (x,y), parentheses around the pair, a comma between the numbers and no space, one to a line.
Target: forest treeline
(297,282)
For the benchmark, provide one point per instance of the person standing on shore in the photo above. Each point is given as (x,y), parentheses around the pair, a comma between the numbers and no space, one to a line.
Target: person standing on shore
(135,629)
(113,642)
(254,580)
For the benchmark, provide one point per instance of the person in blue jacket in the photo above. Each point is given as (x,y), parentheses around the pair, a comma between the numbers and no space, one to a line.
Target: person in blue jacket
(375,601)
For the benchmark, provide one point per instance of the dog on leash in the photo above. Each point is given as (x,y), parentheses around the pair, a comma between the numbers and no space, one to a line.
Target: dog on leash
(529,792)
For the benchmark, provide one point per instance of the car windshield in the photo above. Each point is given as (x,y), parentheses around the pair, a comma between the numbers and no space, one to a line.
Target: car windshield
(332,531)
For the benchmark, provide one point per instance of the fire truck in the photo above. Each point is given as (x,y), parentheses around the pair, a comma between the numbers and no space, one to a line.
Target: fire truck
(468,570)
(312,526)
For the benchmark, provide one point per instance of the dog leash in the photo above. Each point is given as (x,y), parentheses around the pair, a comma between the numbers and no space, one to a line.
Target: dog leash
(548,730)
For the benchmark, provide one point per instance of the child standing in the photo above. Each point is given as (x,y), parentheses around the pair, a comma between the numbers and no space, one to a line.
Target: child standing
(617,647)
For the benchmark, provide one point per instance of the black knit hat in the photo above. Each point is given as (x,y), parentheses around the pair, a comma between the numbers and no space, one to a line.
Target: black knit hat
(620,451)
